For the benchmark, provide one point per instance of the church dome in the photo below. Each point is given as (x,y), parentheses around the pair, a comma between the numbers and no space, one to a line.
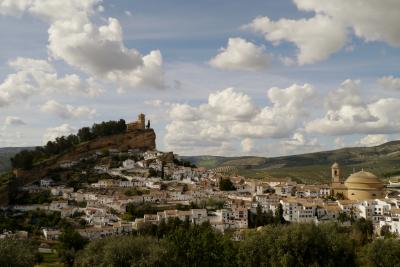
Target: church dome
(363,180)
(364,185)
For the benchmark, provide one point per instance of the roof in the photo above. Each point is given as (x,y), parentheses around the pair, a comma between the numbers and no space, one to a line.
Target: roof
(335,165)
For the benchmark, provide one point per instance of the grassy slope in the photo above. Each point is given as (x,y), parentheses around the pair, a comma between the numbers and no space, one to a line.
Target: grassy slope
(383,160)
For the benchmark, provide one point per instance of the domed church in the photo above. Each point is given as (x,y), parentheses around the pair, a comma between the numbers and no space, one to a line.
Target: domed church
(358,186)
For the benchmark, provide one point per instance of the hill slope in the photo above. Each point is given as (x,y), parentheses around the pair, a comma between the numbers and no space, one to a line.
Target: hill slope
(383,160)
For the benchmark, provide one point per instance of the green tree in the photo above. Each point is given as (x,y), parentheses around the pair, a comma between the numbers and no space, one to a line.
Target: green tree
(226,185)
(85,134)
(200,245)
(279,215)
(70,242)
(362,231)
(381,253)
(16,253)
(126,251)
(297,245)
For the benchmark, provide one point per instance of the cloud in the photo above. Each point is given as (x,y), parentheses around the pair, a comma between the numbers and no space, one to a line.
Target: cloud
(339,142)
(354,115)
(241,55)
(316,38)
(299,143)
(390,82)
(230,116)
(128,13)
(13,7)
(369,20)
(11,120)
(325,33)
(95,49)
(247,145)
(35,76)
(62,130)
(372,140)
(67,111)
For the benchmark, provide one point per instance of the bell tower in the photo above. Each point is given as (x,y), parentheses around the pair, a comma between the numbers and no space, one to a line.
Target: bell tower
(335,173)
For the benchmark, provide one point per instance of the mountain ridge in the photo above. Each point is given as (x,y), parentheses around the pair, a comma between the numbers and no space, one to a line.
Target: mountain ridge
(383,160)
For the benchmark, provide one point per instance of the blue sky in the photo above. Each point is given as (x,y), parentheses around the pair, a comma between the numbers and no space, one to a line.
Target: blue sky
(303,76)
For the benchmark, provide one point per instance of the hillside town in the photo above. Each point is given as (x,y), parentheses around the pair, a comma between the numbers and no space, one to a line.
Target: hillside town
(175,189)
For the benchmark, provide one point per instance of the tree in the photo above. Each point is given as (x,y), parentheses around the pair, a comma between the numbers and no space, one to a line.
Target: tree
(16,253)
(279,215)
(381,253)
(362,231)
(226,185)
(297,245)
(126,251)
(200,245)
(70,242)
(84,134)
(23,160)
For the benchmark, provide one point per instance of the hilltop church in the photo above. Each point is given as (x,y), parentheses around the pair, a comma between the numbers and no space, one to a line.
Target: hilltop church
(358,186)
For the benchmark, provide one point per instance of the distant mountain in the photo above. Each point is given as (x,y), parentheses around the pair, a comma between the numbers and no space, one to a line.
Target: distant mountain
(383,160)
(5,154)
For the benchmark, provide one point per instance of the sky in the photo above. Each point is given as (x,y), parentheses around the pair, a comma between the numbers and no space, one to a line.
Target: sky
(221,77)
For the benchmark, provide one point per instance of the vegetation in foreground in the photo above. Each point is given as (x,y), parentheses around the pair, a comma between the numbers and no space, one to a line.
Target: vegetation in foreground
(177,243)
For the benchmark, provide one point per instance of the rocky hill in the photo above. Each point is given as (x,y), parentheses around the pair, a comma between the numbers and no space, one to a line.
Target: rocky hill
(383,160)
(141,139)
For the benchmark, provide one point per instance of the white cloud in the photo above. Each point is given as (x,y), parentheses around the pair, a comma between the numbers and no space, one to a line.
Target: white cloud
(390,82)
(328,30)
(316,38)
(354,115)
(13,7)
(370,20)
(299,143)
(67,111)
(11,120)
(96,49)
(35,76)
(62,130)
(372,140)
(128,13)
(347,94)
(247,145)
(241,55)
(230,116)
(339,142)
